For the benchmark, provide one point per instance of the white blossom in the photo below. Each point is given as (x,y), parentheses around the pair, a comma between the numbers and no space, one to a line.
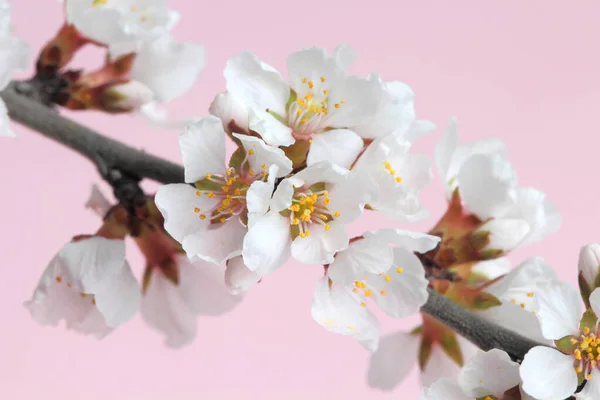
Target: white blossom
(206,220)
(89,285)
(306,218)
(589,264)
(398,177)
(320,103)
(488,184)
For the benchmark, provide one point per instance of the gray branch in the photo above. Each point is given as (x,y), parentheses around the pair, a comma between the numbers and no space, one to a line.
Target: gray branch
(482,333)
(87,142)
(93,145)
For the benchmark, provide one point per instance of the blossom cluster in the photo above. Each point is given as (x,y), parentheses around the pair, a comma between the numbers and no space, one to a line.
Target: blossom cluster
(314,151)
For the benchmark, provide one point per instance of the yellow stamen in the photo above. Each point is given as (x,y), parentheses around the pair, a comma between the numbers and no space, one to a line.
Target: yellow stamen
(399,270)
(388,278)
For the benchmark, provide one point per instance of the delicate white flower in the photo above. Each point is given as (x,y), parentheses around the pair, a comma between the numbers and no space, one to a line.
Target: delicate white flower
(307,215)
(89,285)
(398,177)
(121,23)
(488,184)
(518,291)
(589,264)
(320,103)
(393,277)
(494,268)
(578,339)
(396,114)
(488,375)
(206,220)
(15,55)
(173,308)
(339,310)
(398,353)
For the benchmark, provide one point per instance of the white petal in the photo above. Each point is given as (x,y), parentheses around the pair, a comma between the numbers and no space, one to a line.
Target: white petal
(165,310)
(362,256)
(595,301)
(168,68)
(119,299)
(493,269)
(177,204)
(238,277)
(489,373)
(218,243)
(541,214)
(340,311)
(321,245)
(321,172)
(443,389)
(273,131)
(282,198)
(264,154)
(231,111)
(345,55)
(559,311)
(521,285)
(97,202)
(504,234)
(258,85)
(589,263)
(338,146)
(258,196)
(266,246)
(539,381)
(393,360)
(362,99)
(487,184)
(444,150)
(203,149)
(409,240)
(202,286)
(92,262)
(439,366)
(400,292)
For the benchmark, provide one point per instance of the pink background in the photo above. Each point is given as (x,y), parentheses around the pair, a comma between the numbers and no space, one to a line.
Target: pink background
(526,71)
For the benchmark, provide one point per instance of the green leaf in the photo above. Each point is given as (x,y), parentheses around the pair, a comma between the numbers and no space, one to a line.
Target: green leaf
(425,349)
(588,320)
(566,345)
(451,347)
(207,185)
(237,157)
(483,301)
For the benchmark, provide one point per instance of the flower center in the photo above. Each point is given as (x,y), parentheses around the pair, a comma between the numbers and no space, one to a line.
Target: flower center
(59,280)
(308,114)
(391,171)
(230,190)
(587,352)
(363,288)
(311,206)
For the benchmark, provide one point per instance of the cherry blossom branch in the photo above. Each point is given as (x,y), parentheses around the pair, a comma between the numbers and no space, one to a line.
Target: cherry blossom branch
(27,107)
(24,109)
(484,334)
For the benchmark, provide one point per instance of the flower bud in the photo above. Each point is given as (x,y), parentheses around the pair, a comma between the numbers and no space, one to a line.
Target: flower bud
(125,97)
(589,269)
(499,236)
